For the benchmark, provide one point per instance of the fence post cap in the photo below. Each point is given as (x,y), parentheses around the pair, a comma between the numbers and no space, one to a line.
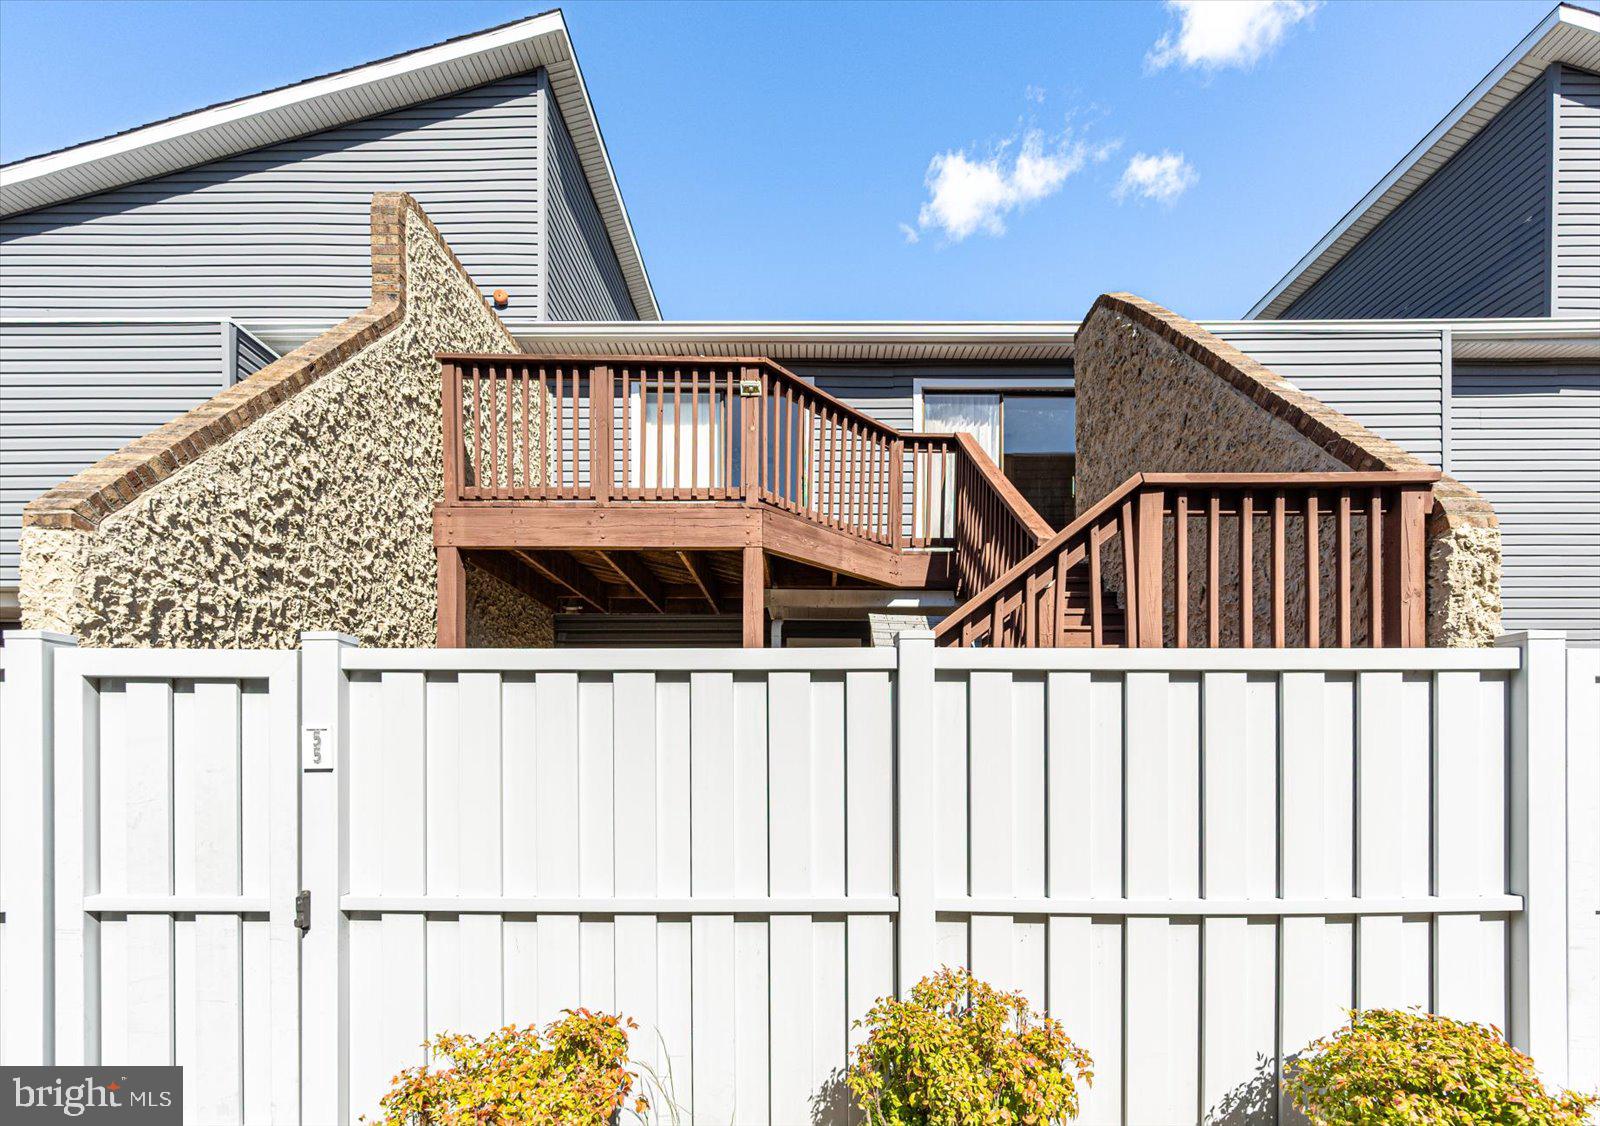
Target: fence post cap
(49,636)
(310,635)
(913,636)
(1523,636)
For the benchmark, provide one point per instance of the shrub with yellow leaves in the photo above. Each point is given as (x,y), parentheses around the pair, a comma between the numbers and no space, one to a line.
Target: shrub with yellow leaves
(1388,1066)
(960,1051)
(575,1072)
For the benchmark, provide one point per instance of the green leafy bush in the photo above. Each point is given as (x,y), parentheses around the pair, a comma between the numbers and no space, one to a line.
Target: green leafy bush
(1387,1066)
(960,1051)
(576,1072)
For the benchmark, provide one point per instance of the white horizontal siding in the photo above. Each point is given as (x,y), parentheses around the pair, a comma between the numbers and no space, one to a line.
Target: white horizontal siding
(284,231)
(72,393)
(1528,439)
(1577,201)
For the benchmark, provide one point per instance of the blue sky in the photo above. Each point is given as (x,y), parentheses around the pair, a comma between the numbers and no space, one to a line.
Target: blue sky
(886,160)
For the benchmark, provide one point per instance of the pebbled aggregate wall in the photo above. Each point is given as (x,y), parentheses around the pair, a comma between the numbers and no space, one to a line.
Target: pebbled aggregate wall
(299,499)
(1157,393)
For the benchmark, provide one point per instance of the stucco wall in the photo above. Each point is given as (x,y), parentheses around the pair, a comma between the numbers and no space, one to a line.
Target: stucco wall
(1157,393)
(315,513)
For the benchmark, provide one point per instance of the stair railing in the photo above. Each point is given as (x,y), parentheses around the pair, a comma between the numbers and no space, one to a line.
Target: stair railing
(1175,559)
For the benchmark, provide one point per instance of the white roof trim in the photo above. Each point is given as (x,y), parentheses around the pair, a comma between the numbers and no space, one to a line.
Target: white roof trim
(956,341)
(1568,34)
(337,99)
(997,341)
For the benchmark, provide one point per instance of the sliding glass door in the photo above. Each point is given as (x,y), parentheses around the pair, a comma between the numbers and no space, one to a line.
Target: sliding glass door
(1030,435)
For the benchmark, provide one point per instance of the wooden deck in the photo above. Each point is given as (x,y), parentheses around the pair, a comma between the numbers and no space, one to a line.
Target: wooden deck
(610,484)
(672,485)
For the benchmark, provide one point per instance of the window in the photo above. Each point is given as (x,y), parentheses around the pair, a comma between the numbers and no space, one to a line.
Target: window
(1031,435)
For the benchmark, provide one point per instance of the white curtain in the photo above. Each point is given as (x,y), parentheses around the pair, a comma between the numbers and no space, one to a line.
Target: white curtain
(978,415)
(691,450)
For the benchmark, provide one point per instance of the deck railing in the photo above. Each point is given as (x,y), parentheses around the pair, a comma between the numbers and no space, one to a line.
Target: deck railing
(1302,559)
(614,429)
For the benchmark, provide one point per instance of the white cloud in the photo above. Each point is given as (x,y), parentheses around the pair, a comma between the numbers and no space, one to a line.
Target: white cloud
(909,233)
(971,193)
(1034,94)
(1163,177)
(1212,34)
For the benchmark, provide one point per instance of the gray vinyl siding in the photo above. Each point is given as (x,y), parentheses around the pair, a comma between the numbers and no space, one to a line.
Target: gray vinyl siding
(1390,382)
(284,231)
(887,392)
(250,355)
(1474,241)
(1577,205)
(585,281)
(1528,439)
(72,393)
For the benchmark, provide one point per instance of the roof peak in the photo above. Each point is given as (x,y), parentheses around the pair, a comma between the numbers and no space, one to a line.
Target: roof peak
(328,101)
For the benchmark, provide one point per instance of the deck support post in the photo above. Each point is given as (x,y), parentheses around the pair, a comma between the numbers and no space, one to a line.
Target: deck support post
(452,599)
(754,607)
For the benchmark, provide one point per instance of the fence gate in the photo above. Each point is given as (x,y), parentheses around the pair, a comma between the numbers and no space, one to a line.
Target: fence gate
(176,872)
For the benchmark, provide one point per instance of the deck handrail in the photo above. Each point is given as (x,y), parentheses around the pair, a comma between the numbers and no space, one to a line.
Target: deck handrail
(1056,595)
(731,429)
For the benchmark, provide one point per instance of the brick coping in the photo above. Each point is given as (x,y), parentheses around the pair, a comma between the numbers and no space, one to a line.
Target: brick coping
(1341,436)
(82,501)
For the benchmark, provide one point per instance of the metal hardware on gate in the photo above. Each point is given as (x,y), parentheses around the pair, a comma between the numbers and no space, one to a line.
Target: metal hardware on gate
(302,911)
(749,388)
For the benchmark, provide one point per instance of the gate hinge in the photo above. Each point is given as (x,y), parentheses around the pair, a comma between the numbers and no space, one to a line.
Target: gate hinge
(302,911)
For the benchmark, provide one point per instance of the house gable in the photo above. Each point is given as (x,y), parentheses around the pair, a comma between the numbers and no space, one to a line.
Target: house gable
(1473,241)
(282,232)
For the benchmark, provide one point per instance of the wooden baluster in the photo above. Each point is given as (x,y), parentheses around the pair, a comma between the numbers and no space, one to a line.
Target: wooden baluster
(496,469)
(1152,611)
(694,432)
(997,621)
(1375,603)
(1247,572)
(1097,637)
(1180,568)
(750,440)
(677,433)
(1059,631)
(600,419)
(527,435)
(1342,567)
(860,491)
(1213,569)
(561,427)
(1130,577)
(798,457)
(1278,600)
(1313,572)
(896,497)
(449,382)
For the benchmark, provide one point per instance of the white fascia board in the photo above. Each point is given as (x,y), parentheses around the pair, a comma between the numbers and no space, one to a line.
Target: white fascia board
(260,120)
(1276,299)
(275,101)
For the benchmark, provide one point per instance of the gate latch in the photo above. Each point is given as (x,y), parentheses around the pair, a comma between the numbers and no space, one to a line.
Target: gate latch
(302,911)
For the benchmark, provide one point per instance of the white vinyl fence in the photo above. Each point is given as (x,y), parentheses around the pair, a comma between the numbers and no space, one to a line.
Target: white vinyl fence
(1197,860)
